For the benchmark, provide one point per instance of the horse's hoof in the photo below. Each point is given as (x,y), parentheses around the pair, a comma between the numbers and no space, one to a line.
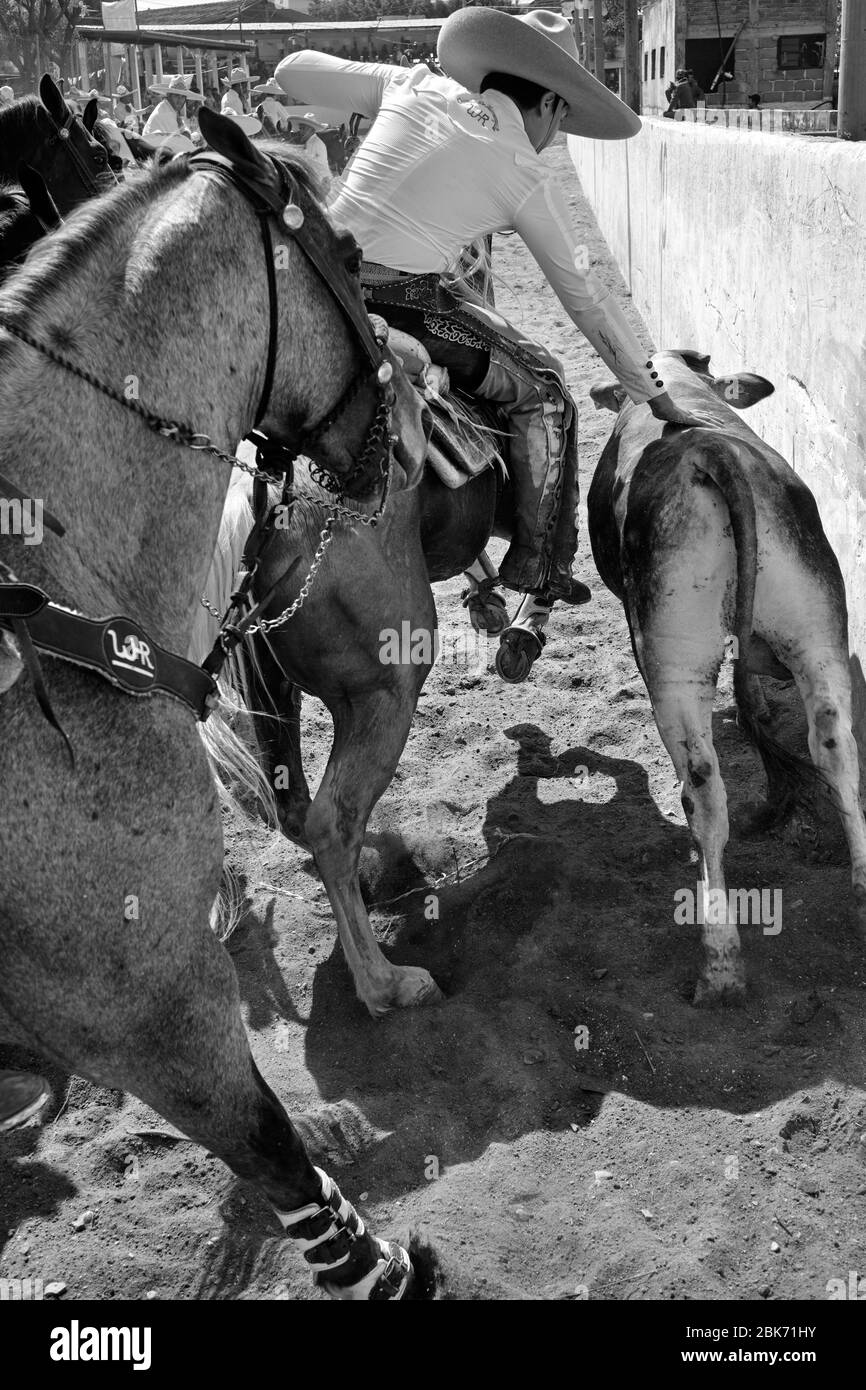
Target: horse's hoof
(412,987)
(519,649)
(416,987)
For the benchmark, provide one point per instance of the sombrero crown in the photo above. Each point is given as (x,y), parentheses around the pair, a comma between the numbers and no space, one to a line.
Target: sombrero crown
(539,47)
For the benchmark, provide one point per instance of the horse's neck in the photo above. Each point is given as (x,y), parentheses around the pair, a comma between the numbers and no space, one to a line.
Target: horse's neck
(156,307)
(20,139)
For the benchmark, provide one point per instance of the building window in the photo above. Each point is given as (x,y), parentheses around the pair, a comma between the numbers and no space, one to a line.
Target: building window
(645,66)
(661,64)
(653,66)
(802,50)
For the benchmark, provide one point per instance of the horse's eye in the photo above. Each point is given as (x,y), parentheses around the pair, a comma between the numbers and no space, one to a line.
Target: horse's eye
(353,261)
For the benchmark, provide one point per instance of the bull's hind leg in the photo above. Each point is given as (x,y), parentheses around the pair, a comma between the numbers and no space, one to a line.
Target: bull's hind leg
(370,731)
(679,643)
(825,687)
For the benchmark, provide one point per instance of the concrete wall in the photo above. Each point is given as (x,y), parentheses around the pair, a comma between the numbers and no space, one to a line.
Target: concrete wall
(752,247)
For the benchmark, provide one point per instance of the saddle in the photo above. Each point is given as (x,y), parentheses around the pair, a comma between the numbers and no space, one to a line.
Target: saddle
(467,435)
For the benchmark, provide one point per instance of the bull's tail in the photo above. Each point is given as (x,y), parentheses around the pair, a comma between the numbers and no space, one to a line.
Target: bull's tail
(791,780)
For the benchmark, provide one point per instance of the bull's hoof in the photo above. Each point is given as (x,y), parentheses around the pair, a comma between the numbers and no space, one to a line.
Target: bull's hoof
(411,987)
(859,912)
(728,987)
(519,649)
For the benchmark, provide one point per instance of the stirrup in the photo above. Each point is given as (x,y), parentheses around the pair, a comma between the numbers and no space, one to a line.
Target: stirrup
(519,649)
(487,610)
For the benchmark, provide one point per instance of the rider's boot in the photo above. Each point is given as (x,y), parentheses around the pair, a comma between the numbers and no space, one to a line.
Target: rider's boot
(522,643)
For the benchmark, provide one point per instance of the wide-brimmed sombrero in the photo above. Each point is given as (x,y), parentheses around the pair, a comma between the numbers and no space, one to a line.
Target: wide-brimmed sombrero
(304,116)
(250,125)
(239,76)
(539,47)
(175,86)
(271,88)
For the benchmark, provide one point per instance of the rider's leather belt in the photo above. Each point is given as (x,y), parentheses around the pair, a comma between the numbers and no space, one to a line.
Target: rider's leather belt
(374,274)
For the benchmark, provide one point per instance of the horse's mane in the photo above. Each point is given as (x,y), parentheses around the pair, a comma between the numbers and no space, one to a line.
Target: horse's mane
(61,254)
(17,123)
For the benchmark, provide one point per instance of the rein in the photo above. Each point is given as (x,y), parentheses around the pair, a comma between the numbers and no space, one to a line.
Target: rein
(118,648)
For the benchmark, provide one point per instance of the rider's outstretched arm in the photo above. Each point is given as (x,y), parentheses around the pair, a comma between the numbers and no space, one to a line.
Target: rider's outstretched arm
(544,223)
(320,79)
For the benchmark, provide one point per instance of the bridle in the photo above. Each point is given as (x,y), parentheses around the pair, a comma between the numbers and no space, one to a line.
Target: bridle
(39,624)
(61,137)
(273,193)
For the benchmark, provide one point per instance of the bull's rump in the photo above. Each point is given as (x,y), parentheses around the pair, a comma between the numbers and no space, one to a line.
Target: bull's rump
(677,555)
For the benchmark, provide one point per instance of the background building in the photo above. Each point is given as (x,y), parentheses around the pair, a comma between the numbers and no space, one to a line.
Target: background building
(783,49)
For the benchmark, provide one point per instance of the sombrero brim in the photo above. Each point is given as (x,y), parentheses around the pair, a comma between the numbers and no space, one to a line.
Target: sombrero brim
(175,92)
(305,116)
(477,41)
(250,125)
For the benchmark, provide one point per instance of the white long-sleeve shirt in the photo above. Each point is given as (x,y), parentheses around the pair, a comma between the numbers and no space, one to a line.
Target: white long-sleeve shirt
(162,129)
(231,102)
(441,167)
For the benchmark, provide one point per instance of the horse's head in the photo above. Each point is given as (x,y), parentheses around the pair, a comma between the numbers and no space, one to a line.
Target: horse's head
(338,394)
(73,164)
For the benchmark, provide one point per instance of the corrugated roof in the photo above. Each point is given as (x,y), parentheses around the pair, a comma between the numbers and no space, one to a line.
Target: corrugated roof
(305,26)
(213,15)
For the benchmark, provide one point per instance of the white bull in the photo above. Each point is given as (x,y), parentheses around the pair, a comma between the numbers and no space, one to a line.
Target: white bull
(706,532)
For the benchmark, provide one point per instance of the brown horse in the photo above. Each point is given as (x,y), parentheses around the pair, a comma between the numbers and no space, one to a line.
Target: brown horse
(373,582)
(109,867)
(42,132)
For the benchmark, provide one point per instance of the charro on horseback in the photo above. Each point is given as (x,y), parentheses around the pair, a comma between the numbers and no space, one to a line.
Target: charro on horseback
(447,161)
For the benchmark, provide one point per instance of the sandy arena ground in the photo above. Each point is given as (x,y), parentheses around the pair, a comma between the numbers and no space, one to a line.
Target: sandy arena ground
(686,1154)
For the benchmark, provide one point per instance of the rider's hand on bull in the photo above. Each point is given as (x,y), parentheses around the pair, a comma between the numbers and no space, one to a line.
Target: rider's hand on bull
(664,408)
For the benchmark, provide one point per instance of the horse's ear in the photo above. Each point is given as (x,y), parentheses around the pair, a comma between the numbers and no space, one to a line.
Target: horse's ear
(52,98)
(89,114)
(225,136)
(41,202)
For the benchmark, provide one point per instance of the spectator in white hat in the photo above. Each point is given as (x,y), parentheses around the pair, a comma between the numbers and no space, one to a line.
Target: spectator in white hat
(6,95)
(124,112)
(165,127)
(304,126)
(271,107)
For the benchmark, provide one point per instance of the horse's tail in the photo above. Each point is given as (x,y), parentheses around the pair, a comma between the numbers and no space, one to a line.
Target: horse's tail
(238,774)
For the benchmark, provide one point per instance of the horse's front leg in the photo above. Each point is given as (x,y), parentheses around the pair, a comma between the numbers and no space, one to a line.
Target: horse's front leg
(370,732)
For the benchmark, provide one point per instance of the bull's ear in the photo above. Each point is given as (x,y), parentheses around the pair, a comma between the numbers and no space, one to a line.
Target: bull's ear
(742,389)
(610,396)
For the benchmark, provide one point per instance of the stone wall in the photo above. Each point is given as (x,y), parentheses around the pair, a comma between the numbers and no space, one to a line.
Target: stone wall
(751,247)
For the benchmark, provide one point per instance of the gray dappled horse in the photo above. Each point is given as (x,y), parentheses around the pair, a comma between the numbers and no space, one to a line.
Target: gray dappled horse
(165,291)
